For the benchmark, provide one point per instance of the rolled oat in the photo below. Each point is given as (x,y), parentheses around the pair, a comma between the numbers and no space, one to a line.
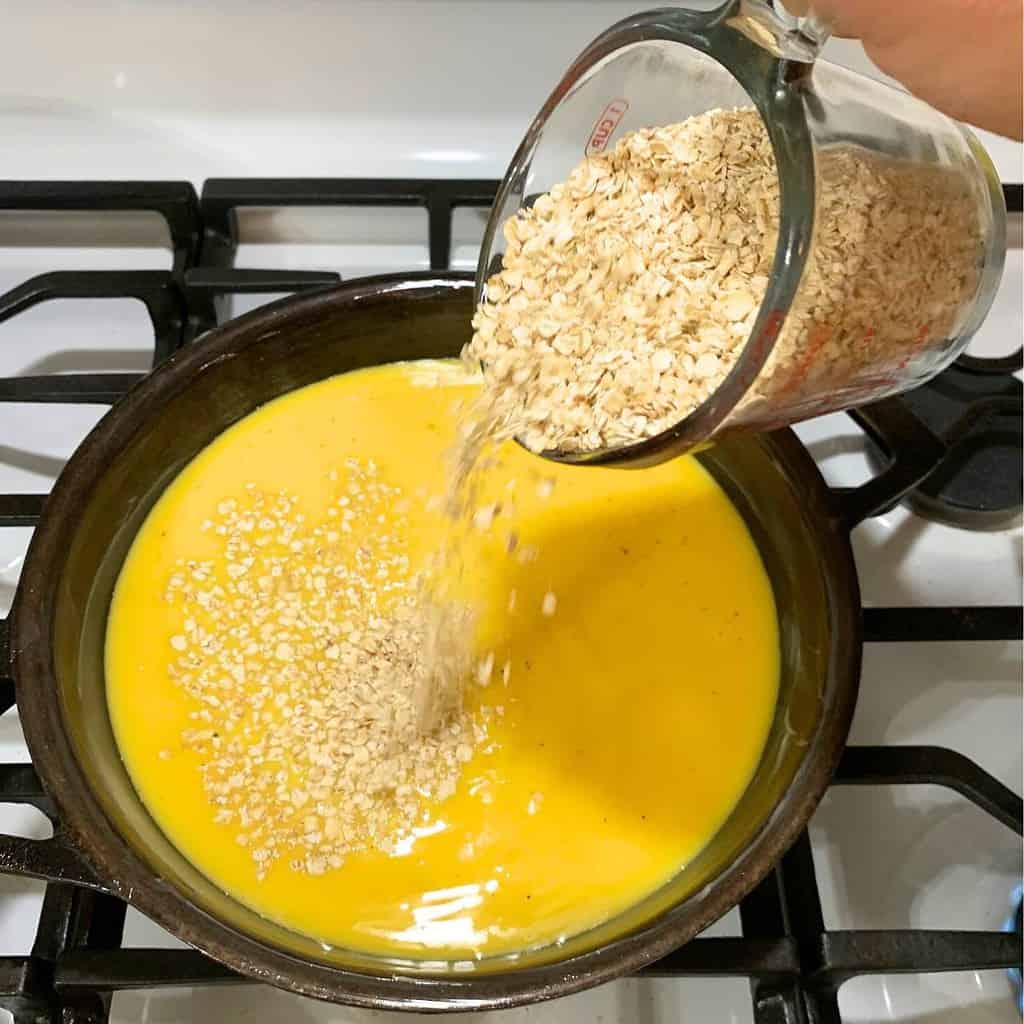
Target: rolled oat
(309,664)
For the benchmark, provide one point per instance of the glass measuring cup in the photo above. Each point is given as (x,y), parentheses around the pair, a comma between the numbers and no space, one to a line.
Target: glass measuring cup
(823,339)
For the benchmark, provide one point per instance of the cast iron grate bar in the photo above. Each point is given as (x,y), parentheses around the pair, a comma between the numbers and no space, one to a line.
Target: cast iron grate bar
(221,280)
(936,766)
(849,954)
(88,921)
(137,968)
(776,1000)
(125,969)
(206,288)
(19,784)
(7,695)
(27,993)
(766,958)
(155,289)
(174,201)
(223,197)
(70,388)
(956,625)
(21,509)
(70,917)
(798,884)
(993,364)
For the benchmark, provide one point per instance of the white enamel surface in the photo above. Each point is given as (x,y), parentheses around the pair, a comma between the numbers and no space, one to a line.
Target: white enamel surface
(164,90)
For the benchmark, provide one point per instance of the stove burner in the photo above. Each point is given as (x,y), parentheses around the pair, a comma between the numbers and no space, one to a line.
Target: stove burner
(975,407)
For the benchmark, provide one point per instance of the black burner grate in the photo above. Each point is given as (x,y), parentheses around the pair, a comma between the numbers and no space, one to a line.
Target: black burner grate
(795,965)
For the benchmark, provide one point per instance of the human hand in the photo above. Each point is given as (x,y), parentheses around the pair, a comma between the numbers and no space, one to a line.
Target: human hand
(964,57)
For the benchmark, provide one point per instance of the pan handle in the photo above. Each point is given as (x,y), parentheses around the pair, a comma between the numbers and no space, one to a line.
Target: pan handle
(55,859)
(912,449)
(52,860)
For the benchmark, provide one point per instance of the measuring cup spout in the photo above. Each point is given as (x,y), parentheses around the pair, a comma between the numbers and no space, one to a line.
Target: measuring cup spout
(791,29)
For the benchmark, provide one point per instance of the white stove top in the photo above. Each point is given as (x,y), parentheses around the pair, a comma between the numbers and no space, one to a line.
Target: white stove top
(169,91)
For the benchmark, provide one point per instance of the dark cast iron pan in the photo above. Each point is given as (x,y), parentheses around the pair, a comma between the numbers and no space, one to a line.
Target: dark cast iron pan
(108,841)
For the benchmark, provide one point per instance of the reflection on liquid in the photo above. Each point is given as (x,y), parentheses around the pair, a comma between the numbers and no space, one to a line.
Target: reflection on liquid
(445,918)
(404,846)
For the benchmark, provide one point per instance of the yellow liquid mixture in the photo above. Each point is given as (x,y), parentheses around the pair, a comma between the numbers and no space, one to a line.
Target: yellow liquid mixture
(634,716)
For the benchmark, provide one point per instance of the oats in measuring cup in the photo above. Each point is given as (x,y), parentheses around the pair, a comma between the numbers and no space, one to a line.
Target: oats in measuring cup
(627,292)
